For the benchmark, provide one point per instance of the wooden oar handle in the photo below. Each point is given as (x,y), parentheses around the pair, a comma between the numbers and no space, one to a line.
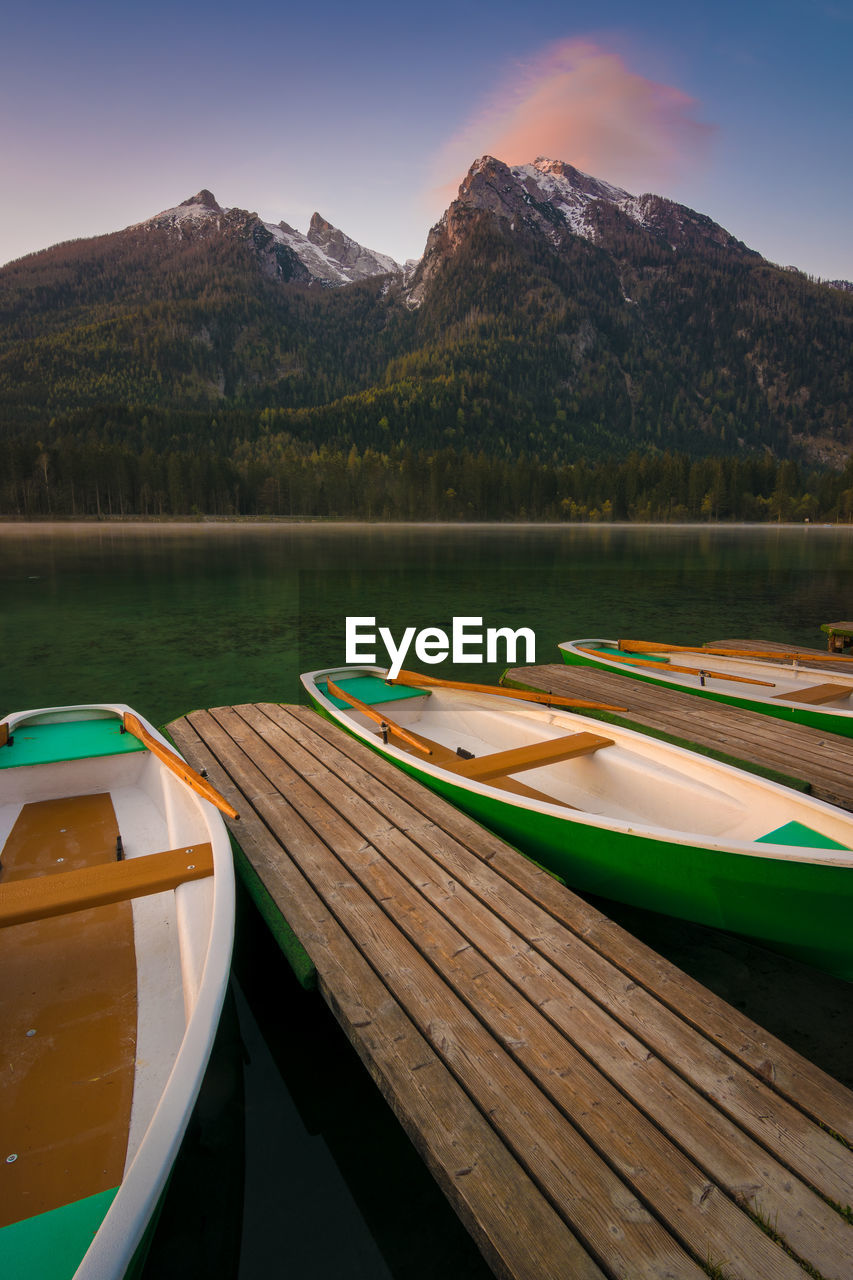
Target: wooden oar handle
(372,714)
(633,661)
(720,651)
(413,679)
(178,766)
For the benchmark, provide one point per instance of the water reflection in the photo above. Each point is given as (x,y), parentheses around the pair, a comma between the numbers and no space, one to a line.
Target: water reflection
(174,617)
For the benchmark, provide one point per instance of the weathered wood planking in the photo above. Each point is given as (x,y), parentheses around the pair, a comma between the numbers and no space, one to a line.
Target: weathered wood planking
(843,664)
(823,759)
(587,1108)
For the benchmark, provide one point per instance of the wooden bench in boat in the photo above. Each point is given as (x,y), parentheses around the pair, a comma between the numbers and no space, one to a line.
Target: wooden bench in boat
(447,758)
(38,897)
(533,756)
(816,693)
(494,767)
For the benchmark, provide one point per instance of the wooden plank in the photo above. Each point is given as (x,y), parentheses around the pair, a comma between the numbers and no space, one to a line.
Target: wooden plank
(533,756)
(749,1101)
(57,894)
(611,1101)
(519,1233)
(817,693)
(763,1055)
(718,1146)
(503,1016)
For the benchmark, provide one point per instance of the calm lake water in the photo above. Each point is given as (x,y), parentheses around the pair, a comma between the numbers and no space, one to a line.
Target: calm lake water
(294,1165)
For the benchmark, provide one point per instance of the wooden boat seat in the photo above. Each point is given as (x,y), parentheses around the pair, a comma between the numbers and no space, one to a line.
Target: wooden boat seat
(532,756)
(447,758)
(38,897)
(816,693)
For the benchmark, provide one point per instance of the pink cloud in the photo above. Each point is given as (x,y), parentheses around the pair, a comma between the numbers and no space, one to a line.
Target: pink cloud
(580,103)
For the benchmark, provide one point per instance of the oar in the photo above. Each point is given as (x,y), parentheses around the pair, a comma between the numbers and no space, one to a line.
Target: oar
(413,679)
(366,710)
(687,671)
(776,655)
(178,766)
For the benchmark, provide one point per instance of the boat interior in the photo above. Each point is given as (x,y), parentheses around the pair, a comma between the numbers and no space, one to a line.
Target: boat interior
(548,755)
(99,960)
(755,678)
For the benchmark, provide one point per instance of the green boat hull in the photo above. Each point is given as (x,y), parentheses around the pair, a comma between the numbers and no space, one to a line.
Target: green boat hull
(811,716)
(802,909)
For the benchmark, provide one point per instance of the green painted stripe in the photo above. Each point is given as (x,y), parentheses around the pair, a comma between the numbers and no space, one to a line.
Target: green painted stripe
(294,952)
(52,1245)
(797,833)
(370,689)
(66,740)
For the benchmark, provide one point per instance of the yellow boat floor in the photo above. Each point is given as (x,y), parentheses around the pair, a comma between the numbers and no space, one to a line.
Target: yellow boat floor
(67,1020)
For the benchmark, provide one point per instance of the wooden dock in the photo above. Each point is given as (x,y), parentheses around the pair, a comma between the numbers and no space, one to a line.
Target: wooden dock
(822,760)
(587,1108)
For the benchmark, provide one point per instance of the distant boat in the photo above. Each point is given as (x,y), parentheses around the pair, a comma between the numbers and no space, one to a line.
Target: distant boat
(614,812)
(789,686)
(116,927)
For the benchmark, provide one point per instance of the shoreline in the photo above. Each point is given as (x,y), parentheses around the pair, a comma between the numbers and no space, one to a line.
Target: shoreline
(185,523)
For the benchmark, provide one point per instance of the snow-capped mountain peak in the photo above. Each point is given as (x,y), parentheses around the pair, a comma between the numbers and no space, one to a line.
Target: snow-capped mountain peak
(324,256)
(553,200)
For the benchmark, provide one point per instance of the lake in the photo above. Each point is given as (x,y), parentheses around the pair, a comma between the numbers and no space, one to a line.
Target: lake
(293,1164)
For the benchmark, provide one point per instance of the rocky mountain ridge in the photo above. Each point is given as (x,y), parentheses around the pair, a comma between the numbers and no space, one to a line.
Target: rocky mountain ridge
(554,201)
(324,256)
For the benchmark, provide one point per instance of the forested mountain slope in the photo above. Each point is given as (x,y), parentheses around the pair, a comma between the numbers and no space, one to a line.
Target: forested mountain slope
(553,318)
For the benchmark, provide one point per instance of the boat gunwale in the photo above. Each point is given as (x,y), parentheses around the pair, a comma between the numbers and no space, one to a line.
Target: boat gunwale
(755,848)
(683,680)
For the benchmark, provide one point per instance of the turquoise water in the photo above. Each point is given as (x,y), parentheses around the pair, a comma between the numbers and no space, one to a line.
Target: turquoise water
(294,1164)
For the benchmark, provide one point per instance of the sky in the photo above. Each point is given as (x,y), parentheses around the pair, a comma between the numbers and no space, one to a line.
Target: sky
(372,113)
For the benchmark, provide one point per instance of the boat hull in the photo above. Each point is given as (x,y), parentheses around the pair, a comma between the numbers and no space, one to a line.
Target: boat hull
(116,916)
(799,907)
(815,718)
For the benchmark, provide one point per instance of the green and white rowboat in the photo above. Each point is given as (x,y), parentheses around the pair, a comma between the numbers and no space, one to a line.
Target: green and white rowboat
(116,927)
(799,689)
(614,812)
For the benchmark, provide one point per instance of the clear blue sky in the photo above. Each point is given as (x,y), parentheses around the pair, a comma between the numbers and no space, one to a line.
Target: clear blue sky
(370,113)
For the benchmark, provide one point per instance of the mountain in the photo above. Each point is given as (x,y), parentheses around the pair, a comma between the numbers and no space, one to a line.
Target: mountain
(555,201)
(324,256)
(632,321)
(199,308)
(553,316)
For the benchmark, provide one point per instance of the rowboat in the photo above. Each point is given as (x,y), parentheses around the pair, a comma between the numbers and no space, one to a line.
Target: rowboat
(116,927)
(790,686)
(614,812)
